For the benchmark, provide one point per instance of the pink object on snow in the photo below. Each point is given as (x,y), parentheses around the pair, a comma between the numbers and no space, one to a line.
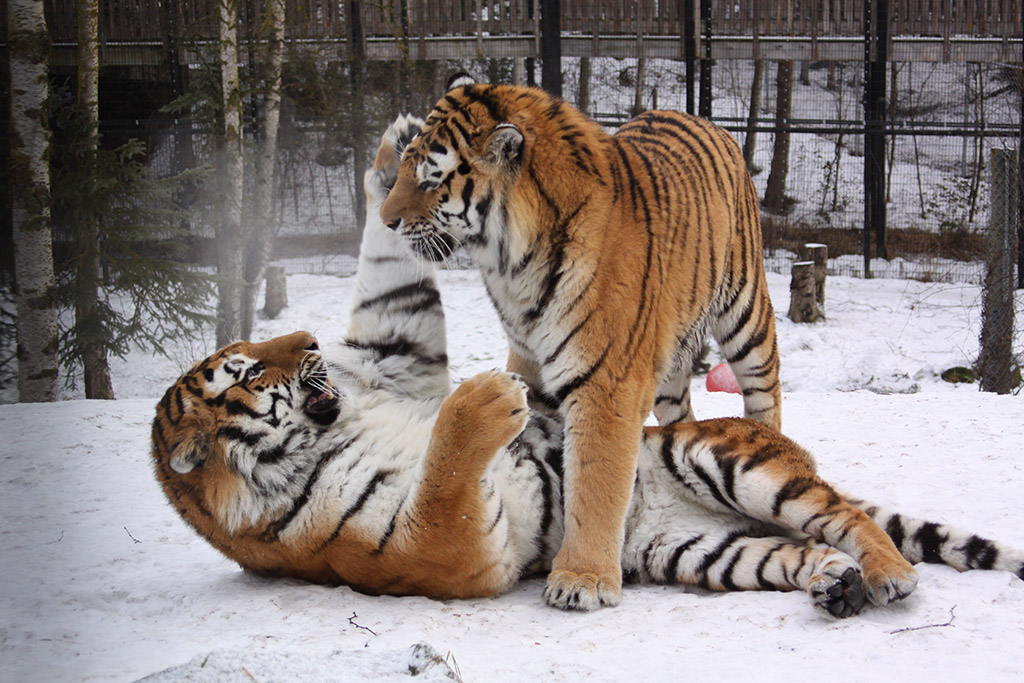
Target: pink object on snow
(721,379)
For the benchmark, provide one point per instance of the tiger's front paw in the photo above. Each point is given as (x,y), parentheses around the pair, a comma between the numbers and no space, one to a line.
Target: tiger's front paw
(584,592)
(486,412)
(890,584)
(839,590)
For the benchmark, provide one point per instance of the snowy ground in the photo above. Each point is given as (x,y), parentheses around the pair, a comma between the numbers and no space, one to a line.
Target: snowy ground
(102,581)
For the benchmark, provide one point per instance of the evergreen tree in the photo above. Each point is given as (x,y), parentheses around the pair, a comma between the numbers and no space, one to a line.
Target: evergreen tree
(142,297)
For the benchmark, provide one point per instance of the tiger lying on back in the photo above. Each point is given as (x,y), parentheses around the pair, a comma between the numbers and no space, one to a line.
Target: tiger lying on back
(362,470)
(609,259)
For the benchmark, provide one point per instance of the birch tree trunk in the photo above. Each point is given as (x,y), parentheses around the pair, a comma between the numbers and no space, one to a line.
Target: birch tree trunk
(28,45)
(230,255)
(774,194)
(88,327)
(261,244)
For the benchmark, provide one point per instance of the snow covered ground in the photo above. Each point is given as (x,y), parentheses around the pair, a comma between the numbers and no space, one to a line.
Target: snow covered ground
(103,582)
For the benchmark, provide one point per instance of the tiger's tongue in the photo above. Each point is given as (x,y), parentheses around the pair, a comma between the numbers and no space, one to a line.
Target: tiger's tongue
(316,399)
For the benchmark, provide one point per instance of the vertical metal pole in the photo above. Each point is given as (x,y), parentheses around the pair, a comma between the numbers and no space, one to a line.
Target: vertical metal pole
(705,62)
(551,46)
(689,52)
(875,39)
(1020,183)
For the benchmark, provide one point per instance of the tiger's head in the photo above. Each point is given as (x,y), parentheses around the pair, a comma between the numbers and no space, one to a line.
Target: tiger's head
(230,434)
(488,156)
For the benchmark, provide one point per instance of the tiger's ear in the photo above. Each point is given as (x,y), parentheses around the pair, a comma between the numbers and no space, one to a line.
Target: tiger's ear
(457,80)
(192,451)
(504,147)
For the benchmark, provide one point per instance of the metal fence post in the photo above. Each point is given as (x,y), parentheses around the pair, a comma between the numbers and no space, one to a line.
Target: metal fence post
(995,363)
(551,46)
(876,17)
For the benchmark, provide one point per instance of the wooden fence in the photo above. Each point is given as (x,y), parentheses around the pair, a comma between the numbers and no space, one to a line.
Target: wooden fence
(737,28)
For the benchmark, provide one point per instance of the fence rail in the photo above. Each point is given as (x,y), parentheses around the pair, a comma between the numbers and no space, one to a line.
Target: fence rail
(939,30)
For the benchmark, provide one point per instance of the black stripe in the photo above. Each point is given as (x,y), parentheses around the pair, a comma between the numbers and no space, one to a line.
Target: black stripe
(896,531)
(726,577)
(399,346)
(356,507)
(759,573)
(792,489)
(931,542)
(559,241)
(235,433)
(485,95)
(274,530)
(388,532)
(568,388)
(672,566)
(712,486)
(236,407)
(715,555)
(724,456)
(272,456)
(980,552)
(423,289)
(561,345)
(763,455)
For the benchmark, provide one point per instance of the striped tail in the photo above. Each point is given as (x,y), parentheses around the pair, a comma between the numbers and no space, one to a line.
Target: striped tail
(922,541)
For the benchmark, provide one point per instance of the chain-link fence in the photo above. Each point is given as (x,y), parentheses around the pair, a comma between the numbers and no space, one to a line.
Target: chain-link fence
(936,153)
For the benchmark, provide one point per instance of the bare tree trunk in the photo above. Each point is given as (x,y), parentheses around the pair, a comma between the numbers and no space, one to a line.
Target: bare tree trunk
(583,99)
(230,255)
(750,140)
(774,194)
(638,91)
(28,45)
(261,244)
(89,329)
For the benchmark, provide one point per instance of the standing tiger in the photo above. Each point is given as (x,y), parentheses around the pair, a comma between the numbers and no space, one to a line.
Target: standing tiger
(362,470)
(609,259)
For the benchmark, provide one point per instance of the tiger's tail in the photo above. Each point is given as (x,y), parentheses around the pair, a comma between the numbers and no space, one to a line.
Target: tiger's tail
(923,541)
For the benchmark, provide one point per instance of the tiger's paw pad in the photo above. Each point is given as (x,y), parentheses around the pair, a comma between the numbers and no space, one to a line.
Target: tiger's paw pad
(580,592)
(839,591)
(890,586)
(495,400)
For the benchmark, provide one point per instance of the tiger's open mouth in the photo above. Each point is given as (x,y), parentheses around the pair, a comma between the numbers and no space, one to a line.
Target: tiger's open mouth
(322,405)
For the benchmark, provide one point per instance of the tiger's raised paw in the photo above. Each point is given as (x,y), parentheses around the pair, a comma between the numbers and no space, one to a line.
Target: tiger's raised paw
(883,587)
(839,590)
(488,409)
(581,592)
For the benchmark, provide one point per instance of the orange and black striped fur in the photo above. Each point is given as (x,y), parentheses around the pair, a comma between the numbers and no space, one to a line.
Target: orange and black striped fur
(361,469)
(609,259)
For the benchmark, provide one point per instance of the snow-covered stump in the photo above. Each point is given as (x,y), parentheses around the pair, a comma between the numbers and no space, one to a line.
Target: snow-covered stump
(803,303)
(818,254)
(997,297)
(277,291)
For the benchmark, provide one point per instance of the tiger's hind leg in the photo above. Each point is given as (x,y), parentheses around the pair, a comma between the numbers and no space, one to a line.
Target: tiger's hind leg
(672,401)
(727,560)
(739,467)
(745,332)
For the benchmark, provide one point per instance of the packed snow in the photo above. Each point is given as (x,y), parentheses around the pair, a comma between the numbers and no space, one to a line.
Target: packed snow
(103,582)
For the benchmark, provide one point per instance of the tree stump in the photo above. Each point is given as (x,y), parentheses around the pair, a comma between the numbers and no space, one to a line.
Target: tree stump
(818,253)
(277,291)
(803,305)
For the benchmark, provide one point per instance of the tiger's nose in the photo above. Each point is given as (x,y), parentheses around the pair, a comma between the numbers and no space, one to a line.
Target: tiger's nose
(393,224)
